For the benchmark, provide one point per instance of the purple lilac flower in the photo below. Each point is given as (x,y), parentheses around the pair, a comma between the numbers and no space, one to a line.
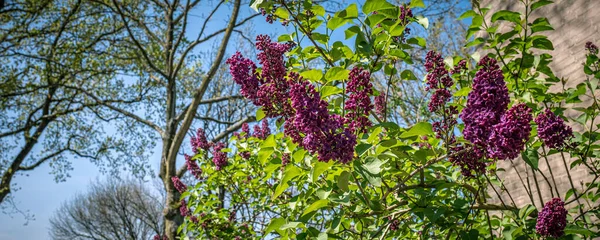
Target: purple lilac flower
(178,184)
(590,47)
(380,105)
(486,102)
(468,159)
(245,155)
(394,223)
(243,72)
(552,130)
(262,131)
(269,17)
(552,220)
(462,65)
(358,103)
(405,13)
(509,136)
(183,209)
(193,167)
(219,157)
(438,80)
(285,159)
(274,90)
(199,141)
(194,219)
(246,129)
(314,129)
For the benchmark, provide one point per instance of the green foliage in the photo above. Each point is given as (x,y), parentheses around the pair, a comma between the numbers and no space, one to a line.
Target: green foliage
(400,184)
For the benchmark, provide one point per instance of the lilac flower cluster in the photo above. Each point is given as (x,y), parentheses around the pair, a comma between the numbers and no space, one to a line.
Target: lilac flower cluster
(446,125)
(380,105)
(322,131)
(243,72)
(461,66)
(262,131)
(157,237)
(405,14)
(552,220)
(268,89)
(285,159)
(307,120)
(469,159)
(219,157)
(509,136)
(486,102)
(193,167)
(590,47)
(273,91)
(269,16)
(437,80)
(199,141)
(394,223)
(552,130)
(180,186)
(358,103)
(183,209)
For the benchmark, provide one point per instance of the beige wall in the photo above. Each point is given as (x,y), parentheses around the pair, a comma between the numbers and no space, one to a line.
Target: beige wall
(575,22)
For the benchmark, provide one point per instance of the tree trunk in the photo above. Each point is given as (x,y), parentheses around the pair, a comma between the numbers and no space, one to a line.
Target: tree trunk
(172,217)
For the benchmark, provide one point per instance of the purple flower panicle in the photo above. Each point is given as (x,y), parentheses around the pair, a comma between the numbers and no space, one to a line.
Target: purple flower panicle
(486,102)
(183,209)
(509,136)
(358,103)
(552,220)
(380,105)
(199,141)
(552,130)
(193,167)
(262,131)
(219,157)
(592,48)
(468,159)
(180,186)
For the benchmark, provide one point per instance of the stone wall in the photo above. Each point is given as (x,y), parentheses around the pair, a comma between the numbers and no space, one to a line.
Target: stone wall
(575,22)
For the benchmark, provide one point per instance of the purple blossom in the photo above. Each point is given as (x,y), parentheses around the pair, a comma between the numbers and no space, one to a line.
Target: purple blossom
(468,159)
(394,223)
(243,72)
(274,90)
(358,103)
(183,209)
(380,105)
(437,74)
(592,48)
(405,13)
(219,157)
(486,102)
(552,220)
(199,141)
(509,136)
(552,130)
(285,159)
(244,155)
(194,219)
(262,131)
(178,184)
(461,66)
(193,167)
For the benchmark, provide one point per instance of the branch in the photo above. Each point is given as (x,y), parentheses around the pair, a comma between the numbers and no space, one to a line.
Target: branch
(191,111)
(222,135)
(208,101)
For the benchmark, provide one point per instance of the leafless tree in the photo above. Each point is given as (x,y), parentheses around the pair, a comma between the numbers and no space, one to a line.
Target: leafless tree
(111,209)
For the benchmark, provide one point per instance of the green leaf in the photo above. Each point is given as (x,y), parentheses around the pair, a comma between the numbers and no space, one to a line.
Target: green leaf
(375,5)
(319,168)
(275,224)
(330,90)
(506,16)
(531,157)
(260,114)
(408,75)
(373,165)
(417,4)
(336,22)
(423,21)
(316,206)
(574,229)
(539,4)
(289,173)
(526,211)
(463,92)
(417,41)
(343,179)
(348,13)
(351,31)
(468,14)
(542,43)
(282,13)
(419,129)
(264,154)
(313,74)
(336,73)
